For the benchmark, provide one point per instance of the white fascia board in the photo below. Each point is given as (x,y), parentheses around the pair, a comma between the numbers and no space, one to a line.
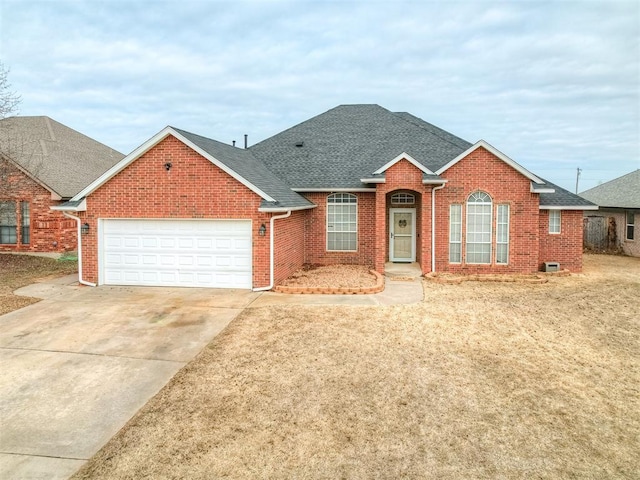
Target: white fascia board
(81,207)
(122,164)
(433,181)
(407,157)
(481,143)
(285,209)
(533,189)
(568,207)
(373,180)
(153,141)
(311,190)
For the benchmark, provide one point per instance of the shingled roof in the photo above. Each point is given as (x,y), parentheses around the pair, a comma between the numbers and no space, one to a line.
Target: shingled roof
(254,171)
(350,142)
(563,198)
(621,192)
(59,158)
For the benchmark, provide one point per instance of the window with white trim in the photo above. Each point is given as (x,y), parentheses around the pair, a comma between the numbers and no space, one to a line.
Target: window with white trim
(455,233)
(502,234)
(403,199)
(555,220)
(631,223)
(478,248)
(8,223)
(342,222)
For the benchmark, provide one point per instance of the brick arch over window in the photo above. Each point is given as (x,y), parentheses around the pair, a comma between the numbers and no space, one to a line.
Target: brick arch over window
(479,226)
(342,222)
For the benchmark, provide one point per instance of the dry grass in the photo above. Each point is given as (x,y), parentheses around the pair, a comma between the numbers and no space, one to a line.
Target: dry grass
(20,270)
(482,380)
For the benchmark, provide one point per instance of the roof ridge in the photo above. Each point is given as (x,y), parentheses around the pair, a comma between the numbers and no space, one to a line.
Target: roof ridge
(397,114)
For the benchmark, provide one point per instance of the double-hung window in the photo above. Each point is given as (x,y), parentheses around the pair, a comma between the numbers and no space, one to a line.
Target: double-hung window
(555,220)
(455,233)
(25,222)
(631,221)
(8,222)
(342,222)
(479,206)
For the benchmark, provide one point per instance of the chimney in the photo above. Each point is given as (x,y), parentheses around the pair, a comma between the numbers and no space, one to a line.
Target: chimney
(233,143)
(246,140)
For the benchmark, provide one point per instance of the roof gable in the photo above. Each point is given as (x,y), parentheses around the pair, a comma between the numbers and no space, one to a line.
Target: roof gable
(621,192)
(55,156)
(408,158)
(237,163)
(481,143)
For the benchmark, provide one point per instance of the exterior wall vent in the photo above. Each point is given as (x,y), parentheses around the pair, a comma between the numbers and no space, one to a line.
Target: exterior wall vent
(551,266)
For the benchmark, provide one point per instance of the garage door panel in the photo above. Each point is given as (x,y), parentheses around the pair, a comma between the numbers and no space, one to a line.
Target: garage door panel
(192,253)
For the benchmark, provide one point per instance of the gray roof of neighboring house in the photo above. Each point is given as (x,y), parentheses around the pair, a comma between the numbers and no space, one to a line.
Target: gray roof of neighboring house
(350,142)
(60,158)
(562,198)
(254,171)
(621,192)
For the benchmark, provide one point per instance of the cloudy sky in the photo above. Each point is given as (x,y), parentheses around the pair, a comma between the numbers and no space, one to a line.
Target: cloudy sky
(554,85)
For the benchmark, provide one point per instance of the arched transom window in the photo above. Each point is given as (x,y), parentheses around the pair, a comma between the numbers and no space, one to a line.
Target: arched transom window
(342,222)
(403,199)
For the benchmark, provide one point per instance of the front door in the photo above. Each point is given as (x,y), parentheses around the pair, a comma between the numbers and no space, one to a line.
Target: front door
(402,233)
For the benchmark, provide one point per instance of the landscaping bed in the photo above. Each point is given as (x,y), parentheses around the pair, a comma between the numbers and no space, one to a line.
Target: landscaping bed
(333,279)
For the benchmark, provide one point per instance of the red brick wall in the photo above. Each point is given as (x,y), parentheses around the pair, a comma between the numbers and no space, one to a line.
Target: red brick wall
(193,188)
(316,232)
(289,245)
(51,231)
(404,176)
(564,247)
(481,170)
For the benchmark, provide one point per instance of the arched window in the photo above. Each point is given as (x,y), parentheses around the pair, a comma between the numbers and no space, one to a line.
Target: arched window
(403,199)
(479,207)
(342,222)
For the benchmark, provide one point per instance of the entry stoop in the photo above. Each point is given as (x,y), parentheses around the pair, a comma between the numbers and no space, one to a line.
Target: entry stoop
(402,271)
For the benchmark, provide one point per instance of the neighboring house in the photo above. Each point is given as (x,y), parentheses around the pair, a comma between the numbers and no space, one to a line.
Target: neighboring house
(616,224)
(42,164)
(357,184)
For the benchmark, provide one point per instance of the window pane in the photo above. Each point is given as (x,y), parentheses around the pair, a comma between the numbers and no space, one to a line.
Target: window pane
(342,222)
(455,233)
(479,221)
(554,221)
(25,221)
(502,234)
(8,223)
(630,225)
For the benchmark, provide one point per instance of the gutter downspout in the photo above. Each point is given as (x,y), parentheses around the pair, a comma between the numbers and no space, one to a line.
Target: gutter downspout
(433,226)
(80,280)
(271,248)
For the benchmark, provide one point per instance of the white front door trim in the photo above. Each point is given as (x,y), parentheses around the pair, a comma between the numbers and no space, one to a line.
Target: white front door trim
(392,235)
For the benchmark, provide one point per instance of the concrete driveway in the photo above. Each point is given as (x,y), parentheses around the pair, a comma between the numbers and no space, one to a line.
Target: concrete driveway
(79,364)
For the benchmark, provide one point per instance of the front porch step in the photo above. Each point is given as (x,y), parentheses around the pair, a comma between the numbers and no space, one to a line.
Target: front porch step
(402,271)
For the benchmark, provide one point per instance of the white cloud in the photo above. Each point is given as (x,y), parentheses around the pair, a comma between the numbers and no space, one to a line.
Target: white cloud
(552,84)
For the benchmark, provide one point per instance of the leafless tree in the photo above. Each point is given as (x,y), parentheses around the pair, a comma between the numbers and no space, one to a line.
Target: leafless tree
(9,100)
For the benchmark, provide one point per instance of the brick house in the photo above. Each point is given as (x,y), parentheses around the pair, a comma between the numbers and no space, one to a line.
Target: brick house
(43,164)
(616,224)
(357,184)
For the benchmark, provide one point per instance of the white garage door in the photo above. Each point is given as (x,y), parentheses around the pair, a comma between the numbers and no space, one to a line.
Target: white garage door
(180,253)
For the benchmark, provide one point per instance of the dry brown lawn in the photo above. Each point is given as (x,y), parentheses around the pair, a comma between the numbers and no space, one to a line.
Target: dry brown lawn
(20,270)
(481,380)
